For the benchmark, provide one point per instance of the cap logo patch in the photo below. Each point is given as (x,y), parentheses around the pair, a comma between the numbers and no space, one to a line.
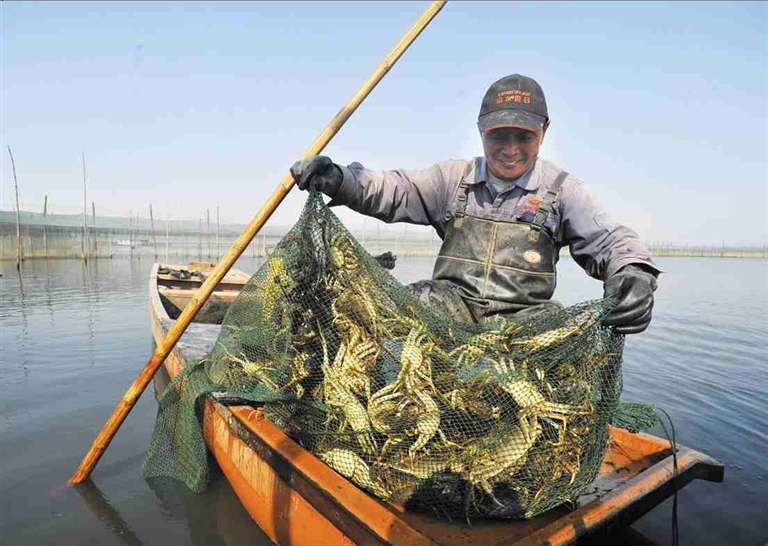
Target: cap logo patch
(533,203)
(513,95)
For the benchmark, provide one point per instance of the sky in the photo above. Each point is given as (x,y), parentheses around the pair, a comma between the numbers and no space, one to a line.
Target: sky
(660,107)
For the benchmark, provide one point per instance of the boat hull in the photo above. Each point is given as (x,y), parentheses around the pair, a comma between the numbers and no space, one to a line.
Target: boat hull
(298,500)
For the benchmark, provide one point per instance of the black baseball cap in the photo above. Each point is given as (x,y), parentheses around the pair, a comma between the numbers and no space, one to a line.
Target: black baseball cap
(513,101)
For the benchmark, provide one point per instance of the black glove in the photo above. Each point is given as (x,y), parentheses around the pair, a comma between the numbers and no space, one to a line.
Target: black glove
(633,286)
(320,170)
(386,260)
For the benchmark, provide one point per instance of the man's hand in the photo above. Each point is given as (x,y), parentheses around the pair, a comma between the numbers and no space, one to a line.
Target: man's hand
(633,286)
(319,170)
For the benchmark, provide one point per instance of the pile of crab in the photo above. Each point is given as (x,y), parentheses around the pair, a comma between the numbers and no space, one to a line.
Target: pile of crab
(507,421)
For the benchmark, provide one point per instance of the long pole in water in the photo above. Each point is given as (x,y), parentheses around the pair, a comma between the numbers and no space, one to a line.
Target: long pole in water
(20,252)
(45,221)
(95,233)
(133,393)
(152,223)
(85,242)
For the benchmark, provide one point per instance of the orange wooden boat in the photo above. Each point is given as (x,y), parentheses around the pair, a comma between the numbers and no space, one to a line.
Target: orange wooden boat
(298,500)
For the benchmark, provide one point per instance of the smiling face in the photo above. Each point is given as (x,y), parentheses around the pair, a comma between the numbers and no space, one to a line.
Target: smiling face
(510,151)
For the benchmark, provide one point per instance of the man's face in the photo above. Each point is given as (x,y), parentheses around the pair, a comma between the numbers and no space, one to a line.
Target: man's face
(510,152)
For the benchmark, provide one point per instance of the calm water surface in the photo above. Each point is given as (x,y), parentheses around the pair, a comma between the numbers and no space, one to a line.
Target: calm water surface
(74,337)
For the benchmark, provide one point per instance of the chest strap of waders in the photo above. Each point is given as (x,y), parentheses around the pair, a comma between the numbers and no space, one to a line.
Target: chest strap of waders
(546,207)
(461,197)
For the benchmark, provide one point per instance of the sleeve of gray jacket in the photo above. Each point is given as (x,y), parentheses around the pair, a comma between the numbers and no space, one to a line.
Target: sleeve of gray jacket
(597,243)
(415,196)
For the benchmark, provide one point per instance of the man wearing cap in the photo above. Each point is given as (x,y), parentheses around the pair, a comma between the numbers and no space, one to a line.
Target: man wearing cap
(503,219)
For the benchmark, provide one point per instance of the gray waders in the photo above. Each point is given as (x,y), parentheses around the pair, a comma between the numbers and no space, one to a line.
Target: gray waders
(490,267)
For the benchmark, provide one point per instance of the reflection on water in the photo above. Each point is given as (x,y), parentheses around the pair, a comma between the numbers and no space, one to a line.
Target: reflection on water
(73,338)
(94,501)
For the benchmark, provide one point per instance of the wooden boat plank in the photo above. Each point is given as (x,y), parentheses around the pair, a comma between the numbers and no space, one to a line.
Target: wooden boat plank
(296,498)
(635,497)
(336,499)
(182,294)
(276,505)
(196,343)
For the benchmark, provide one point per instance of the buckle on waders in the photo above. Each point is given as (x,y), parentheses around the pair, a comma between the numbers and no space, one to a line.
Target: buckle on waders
(533,234)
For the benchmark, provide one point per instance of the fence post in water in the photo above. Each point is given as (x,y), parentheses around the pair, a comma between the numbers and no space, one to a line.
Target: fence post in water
(20,251)
(45,238)
(432,242)
(264,241)
(217,234)
(200,239)
(31,243)
(84,242)
(130,231)
(152,224)
(208,231)
(95,231)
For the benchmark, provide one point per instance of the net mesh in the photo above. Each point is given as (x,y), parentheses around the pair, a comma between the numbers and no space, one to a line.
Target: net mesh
(505,419)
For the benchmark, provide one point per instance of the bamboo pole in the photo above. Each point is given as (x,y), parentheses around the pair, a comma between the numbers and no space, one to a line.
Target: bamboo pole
(45,221)
(152,224)
(95,233)
(19,243)
(84,242)
(133,393)
(217,234)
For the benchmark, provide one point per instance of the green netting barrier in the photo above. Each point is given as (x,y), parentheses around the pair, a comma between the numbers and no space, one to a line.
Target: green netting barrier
(504,419)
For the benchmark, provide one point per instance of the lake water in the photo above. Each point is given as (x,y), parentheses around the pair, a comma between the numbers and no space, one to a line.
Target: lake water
(74,337)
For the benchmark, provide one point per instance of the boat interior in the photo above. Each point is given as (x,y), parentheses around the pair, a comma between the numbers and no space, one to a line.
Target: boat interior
(178,284)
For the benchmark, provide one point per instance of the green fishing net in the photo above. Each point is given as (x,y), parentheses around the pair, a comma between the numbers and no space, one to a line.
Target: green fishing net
(504,419)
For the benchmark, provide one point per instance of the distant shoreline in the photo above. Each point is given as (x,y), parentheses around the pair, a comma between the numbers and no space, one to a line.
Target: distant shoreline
(57,241)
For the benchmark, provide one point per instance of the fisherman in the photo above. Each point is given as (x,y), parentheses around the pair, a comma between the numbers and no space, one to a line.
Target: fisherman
(503,219)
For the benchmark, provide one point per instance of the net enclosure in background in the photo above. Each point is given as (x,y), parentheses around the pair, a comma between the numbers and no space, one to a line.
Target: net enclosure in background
(504,419)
